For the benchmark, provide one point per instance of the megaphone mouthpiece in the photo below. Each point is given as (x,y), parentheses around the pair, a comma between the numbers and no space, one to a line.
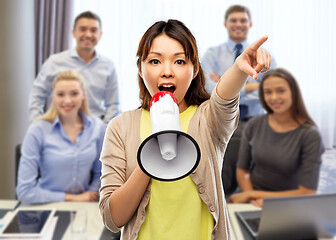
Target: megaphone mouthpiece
(161,94)
(164,112)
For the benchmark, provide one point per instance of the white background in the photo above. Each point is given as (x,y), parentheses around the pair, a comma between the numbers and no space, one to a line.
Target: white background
(302,38)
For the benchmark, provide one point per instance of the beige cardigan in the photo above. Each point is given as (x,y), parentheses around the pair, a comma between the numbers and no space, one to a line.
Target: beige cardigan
(211,127)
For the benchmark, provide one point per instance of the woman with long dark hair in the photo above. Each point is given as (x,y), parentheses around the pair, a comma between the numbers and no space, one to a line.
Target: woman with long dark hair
(280,152)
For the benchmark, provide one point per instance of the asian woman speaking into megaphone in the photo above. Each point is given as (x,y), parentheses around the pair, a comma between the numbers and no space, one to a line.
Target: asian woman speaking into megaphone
(192,207)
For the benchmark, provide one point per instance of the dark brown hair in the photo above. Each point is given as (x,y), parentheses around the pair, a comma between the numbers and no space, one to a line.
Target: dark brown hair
(298,108)
(90,15)
(174,29)
(237,8)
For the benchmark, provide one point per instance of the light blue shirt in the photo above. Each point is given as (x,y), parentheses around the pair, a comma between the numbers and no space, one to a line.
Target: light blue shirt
(219,59)
(64,166)
(100,80)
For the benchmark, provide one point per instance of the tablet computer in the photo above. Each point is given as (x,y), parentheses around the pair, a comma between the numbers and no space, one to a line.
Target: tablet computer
(27,223)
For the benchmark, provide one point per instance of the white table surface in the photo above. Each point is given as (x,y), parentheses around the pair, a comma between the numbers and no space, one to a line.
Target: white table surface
(8,204)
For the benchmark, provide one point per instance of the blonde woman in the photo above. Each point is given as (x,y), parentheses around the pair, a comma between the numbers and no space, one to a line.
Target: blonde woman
(60,152)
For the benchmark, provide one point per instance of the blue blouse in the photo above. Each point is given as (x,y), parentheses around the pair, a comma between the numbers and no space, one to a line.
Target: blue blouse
(52,165)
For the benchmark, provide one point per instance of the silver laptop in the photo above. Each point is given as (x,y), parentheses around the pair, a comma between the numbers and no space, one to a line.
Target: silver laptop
(300,217)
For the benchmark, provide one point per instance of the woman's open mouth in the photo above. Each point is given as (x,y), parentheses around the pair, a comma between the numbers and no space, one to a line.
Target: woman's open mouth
(167,87)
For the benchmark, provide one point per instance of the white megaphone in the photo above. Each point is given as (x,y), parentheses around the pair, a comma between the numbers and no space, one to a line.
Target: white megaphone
(168,154)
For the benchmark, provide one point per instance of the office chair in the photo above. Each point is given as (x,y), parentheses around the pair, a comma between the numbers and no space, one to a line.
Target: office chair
(229,166)
(17,161)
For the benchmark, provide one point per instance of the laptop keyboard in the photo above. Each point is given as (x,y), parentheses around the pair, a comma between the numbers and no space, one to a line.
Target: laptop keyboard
(253,223)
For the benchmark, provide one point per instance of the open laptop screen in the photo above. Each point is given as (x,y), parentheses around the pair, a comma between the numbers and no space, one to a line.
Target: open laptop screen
(300,217)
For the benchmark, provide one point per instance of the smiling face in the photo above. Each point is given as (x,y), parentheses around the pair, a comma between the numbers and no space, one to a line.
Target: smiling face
(277,94)
(167,68)
(238,25)
(87,34)
(68,97)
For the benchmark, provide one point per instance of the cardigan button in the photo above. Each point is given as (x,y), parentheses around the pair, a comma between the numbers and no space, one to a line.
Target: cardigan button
(201,190)
(212,209)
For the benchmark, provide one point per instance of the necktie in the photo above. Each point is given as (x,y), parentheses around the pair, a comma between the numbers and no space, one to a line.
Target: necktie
(238,48)
(243,109)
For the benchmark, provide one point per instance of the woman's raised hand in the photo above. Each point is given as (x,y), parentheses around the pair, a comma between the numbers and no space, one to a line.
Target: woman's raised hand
(254,59)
